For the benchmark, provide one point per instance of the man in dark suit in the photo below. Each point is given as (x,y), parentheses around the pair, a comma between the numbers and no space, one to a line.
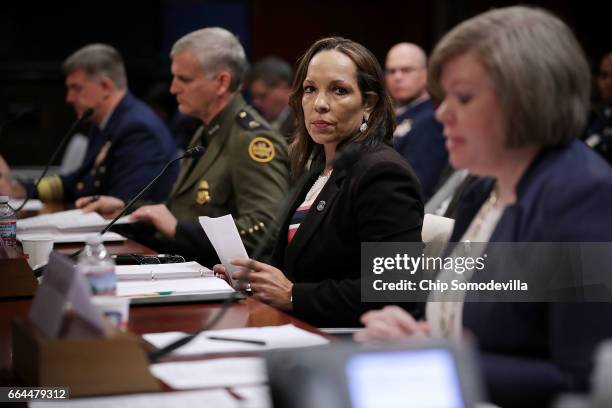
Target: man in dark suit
(128,144)
(270,83)
(418,136)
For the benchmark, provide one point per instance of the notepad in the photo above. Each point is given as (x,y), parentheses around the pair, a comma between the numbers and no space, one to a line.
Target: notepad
(181,270)
(32,204)
(217,372)
(286,336)
(168,279)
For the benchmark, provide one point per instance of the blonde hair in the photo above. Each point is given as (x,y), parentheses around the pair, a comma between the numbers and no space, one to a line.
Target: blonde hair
(537,67)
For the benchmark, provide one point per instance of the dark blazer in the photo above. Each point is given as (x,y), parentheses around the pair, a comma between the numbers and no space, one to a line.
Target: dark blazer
(423,145)
(533,351)
(124,156)
(376,199)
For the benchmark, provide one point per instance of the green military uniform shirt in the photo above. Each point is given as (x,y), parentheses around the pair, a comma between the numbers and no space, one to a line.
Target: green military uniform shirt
(243,172)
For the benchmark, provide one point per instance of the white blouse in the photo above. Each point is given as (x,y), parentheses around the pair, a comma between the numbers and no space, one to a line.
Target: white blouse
(445,317)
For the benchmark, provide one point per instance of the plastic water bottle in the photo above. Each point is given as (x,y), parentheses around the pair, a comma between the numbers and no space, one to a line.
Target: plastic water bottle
(98,267)
(8,224)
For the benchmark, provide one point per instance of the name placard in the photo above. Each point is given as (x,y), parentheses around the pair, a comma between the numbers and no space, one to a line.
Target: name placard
(63,287)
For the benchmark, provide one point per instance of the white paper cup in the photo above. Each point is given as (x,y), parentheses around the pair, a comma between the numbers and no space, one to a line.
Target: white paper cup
(37,250)
(114,308)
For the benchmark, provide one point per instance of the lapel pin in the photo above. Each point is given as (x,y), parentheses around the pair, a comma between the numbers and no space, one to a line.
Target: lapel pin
(321,205)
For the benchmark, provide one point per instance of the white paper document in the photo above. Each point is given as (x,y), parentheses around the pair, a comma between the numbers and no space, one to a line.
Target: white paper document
(207,284)
(32,204)
(177,270)
(217,372)
(285,336)
(205,398)
(254,396)
(66,221)
(224,237)
(67,237)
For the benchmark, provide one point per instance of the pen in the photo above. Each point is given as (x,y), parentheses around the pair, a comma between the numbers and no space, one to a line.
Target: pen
(156,293)
(93,199)
(257,342)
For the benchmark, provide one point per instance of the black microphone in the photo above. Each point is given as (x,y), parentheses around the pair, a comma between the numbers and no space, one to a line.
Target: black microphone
(193,152)
(344,158)
(86,115)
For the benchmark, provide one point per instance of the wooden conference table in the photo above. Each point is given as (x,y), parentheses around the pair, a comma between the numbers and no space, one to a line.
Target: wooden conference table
(187,317)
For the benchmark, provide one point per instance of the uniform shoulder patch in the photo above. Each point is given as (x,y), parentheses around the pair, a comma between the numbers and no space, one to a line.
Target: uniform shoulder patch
(247,121)
(261,149)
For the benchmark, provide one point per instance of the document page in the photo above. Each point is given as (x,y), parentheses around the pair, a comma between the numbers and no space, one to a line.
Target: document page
(205,398)
(273,337)
(224,236)
(135,288)
(216,372)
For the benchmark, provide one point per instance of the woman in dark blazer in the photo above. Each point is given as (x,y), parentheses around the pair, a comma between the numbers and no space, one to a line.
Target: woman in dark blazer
(344,116)
(514,86)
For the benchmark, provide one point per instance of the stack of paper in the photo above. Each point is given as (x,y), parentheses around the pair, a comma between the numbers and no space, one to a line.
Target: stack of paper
(179,270)
(216,372)
(208,398)
(67,221)
(31,205)
(182,278)
(254,396)
(62,237)
(286,336)
(67,226)
(167,287)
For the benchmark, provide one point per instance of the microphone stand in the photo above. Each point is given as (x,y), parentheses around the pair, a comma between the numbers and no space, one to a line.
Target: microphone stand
(88,112)
(196,151)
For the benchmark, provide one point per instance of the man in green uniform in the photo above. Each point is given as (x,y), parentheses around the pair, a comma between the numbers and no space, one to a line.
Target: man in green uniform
(244,170)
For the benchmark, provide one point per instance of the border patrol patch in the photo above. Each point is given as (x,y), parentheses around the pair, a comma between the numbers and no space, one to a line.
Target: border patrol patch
(261,150)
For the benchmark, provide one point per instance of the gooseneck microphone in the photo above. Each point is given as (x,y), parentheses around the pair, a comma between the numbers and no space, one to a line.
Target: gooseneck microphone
(193,152)
(86,115)
(344,158)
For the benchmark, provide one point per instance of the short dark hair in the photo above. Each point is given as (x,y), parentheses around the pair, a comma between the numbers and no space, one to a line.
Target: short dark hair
(370,79)
(98,60)
(271,71)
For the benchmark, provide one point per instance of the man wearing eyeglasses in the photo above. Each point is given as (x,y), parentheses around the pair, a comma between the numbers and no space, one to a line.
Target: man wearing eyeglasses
(418,136)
